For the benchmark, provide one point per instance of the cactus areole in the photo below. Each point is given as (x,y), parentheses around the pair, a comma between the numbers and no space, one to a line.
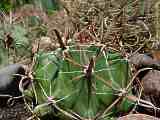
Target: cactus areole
(81,82)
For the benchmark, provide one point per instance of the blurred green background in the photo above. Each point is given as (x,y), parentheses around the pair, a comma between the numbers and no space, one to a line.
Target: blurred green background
(47,5)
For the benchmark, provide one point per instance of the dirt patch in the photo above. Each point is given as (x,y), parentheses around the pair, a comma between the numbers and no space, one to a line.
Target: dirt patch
(18,111)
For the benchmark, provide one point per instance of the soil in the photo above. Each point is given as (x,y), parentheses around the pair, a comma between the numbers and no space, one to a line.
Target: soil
(17,111)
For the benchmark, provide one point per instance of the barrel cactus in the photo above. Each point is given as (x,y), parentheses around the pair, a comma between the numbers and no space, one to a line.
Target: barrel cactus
(81,82)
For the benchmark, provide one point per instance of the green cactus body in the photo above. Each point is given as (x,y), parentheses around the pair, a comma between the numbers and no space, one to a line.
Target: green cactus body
(65,75)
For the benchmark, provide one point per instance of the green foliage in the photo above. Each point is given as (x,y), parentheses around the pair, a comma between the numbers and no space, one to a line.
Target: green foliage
(21,41)
(20,44)
(65,80)
(48,5)
(6,5)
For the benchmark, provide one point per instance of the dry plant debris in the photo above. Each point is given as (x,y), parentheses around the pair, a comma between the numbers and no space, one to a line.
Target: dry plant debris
(113,23)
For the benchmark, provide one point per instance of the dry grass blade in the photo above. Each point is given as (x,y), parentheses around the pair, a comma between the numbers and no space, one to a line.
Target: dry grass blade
(133,78)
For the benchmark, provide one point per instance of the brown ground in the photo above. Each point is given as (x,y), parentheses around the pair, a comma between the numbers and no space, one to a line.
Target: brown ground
(17,111)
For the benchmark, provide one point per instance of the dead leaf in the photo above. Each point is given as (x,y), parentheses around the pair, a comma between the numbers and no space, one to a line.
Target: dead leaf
(8,41)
